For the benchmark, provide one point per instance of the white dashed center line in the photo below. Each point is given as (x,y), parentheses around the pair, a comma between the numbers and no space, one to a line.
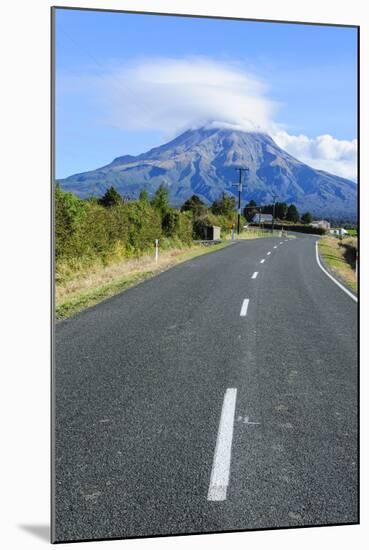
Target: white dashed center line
(276,246)
(245,305)
(268,253)
(262,261)
(254,275)
(219,478)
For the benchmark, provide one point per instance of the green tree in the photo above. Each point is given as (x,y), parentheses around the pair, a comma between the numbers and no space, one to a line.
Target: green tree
(281,210)
(160,200)
(224,206)
(195,205)
(307,218)
(170,222)
(69,214)
(250,210)
(110,198)
(267,209)
(292,214)
(143,196)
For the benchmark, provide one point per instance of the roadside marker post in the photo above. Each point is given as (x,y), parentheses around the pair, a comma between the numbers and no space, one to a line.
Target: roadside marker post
(156,250)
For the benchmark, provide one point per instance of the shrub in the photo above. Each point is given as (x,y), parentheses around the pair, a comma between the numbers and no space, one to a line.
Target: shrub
(224,206)
(103,230)
(298,228)
(89,232)
(70,211)
(177,224)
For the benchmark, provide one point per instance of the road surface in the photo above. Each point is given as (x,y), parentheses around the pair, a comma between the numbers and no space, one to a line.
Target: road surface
(220,395)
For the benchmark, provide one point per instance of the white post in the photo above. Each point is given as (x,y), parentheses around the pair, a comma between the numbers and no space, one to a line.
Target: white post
(156,250)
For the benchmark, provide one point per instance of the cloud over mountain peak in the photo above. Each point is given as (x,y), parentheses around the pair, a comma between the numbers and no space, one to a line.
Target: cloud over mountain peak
(171,95)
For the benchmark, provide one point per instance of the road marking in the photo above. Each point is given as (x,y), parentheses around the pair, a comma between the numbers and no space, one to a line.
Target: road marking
(268,253)
(219,478)
(275,246)
(247,421)
(262,261)
(331,277)
(281,242)
(245,305)
(254,275)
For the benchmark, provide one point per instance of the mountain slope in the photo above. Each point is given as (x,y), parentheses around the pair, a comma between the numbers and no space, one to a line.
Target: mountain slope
(203,162)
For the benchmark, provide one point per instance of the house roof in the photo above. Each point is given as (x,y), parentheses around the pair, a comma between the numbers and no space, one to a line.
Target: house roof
(262,218)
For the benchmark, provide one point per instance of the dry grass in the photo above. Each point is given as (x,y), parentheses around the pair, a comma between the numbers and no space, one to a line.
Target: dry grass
(88,288)
(340,256)
(253,234)
(100,276)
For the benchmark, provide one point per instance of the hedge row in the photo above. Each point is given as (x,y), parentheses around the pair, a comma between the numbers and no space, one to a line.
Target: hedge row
(299,228)
(87,231)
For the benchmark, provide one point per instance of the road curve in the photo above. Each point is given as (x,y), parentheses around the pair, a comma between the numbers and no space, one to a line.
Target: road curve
(224,370)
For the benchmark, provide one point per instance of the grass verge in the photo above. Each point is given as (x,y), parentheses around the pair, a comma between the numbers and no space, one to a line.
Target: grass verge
(86,290)
(253,234)
(339,257)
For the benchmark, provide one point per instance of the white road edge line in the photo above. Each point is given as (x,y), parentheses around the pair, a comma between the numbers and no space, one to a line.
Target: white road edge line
(254,275)
(262,261)
(219,478)
(245,305)
(331,277)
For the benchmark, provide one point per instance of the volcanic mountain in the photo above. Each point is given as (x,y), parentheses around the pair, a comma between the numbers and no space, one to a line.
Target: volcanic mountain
(203,162)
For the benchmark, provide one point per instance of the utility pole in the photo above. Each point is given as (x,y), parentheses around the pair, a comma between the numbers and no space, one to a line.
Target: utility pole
(239,184)
(274,197)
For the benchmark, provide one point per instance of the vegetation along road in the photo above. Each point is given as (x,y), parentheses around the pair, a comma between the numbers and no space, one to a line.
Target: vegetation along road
(219,395)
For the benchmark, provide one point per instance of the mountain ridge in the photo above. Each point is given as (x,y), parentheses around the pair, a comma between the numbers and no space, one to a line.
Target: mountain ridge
(202,161)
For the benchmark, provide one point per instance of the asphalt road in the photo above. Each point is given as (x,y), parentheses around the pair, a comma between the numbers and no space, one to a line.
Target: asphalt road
(147,436)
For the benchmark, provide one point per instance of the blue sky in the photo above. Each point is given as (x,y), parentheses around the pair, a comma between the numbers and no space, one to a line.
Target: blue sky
(129,82)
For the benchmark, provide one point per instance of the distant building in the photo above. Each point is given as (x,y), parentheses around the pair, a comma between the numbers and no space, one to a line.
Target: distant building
(339,231)
(262,218)
(321,224)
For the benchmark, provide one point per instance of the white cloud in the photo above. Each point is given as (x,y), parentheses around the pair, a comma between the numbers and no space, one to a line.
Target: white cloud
(172,95)
(323,152)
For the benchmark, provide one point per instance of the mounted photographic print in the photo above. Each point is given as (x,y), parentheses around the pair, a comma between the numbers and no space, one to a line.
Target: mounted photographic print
(205,254)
